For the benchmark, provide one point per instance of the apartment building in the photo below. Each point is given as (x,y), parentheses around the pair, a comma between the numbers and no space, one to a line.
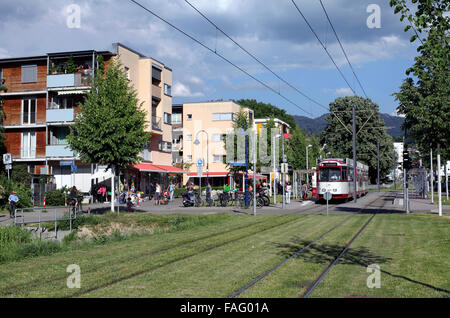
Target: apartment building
(207,122)
(41,102)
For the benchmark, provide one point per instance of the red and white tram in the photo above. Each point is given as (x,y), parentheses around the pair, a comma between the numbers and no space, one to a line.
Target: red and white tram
(336,176)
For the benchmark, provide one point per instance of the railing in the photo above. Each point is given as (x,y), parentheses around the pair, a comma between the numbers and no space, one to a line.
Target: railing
(156,91)
(68,80)
(59,151)
(60,115)
(156,123)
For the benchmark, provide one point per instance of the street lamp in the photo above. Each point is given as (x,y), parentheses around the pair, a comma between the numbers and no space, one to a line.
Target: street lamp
(307,175)
(274,167)
(197,142)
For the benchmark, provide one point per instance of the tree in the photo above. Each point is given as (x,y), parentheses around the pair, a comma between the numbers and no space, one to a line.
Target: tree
(338,139)
(424,97)
(110,130)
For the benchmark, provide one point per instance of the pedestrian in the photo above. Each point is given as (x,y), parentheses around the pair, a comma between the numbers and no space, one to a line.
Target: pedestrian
(171,191)
(288,192)
(304,191)
(157,193)
(13,199)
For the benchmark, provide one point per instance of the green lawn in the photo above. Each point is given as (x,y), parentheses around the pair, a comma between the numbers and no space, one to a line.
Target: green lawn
(218,258)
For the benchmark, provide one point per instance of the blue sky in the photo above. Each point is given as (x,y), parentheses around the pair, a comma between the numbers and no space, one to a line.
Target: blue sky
(273,31)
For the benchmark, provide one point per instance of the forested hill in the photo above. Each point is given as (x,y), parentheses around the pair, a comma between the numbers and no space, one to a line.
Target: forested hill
(318,124)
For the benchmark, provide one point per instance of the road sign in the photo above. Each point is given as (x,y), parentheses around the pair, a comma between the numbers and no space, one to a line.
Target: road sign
(237,163)
(66,163)
(327,196)
(200,162)
(7,159)
(8,167)
(284,168)
(74,168)
(199,171)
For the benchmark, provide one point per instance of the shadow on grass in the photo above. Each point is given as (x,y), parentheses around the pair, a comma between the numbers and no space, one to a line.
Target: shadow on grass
(326,254)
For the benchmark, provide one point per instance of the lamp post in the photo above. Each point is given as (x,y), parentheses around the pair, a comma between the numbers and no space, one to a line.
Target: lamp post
(197,142)
(274,168)
(307,175)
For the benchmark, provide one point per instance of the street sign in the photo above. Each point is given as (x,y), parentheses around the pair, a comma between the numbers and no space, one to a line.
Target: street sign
(8,167)
(7,159)
(327,196)
(199,171)
(74,168)
(200,162)
(237,163)
(284,168)
(66,163)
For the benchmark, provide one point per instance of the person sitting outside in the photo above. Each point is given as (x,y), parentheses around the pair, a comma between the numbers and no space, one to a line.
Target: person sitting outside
(13,199)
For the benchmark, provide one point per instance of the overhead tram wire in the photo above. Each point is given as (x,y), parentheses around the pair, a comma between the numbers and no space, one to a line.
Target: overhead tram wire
(221,56)
(324,47)
(255,58)
(342,48)
(265,66)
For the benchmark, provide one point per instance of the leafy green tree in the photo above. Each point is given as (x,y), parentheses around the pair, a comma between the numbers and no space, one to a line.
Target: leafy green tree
(424,96)
(339,139)
(263,110)
(111,128)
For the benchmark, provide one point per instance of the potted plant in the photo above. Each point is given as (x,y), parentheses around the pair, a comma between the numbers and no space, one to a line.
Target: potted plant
(3,89)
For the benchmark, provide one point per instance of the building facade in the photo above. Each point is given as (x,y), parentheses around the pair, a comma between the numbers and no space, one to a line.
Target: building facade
(41,102)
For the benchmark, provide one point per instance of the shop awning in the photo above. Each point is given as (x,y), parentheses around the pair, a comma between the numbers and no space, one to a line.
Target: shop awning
(148,167)
(211,174)
(258,176)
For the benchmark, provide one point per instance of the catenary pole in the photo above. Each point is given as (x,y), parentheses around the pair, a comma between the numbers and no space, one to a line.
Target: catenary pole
(431,175)
(378,165)
(354,154)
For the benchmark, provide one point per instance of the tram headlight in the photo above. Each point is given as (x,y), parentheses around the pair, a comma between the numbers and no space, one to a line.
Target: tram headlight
(324,190)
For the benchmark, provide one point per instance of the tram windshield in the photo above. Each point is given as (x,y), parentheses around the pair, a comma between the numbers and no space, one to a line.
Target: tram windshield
(330,174)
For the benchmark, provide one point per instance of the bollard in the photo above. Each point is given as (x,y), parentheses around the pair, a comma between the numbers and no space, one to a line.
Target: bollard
(137,201)
(89,210)
(44,202)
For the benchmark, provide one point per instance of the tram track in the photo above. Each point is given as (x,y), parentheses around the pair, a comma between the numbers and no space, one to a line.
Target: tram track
(268,272)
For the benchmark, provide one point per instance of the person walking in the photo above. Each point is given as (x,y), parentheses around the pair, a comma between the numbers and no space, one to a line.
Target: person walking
(288,192)
(171,191)
(304,191)
(13,199)
(157,193)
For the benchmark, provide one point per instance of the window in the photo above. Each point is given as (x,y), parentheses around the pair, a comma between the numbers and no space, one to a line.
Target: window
(218,137)
(222,116)
(28,149)
(330,174)
(176,118)
(61,103)
(168,90)
(156,74)
(28,111)
(165,146)
(167,118)
(344,174)
(29,73)
(189,158)
(217,158)
(188,137)
(189,117)
(127,72)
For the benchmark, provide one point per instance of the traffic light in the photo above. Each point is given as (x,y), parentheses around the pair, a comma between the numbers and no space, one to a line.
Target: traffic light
(406,160)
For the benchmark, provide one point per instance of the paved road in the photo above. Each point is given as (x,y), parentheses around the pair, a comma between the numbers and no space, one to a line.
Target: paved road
(386,202)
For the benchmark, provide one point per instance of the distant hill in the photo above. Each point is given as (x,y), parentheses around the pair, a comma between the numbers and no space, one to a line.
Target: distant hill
(318,124)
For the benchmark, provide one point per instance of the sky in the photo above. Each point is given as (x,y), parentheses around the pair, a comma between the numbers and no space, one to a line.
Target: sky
(271,30)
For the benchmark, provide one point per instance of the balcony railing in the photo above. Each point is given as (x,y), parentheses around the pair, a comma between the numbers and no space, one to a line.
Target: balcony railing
(70,80)
(156,123)
(59,115)
(57,151)
(156,91)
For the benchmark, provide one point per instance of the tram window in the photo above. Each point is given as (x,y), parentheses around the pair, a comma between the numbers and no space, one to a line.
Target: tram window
(330,174)
(344,174)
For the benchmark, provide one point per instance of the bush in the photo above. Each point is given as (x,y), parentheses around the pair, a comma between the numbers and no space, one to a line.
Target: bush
(23,192)
(55,197)
(12,235)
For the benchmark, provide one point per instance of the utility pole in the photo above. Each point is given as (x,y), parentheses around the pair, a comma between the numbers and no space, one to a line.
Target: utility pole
(439,180)
(254,173)
(446,179)
(431,174)
(274,171)
(395,170)
(354,154)
(378,165)
(284,174)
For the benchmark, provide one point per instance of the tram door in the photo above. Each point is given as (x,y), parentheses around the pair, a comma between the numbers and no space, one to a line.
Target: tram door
(314,182)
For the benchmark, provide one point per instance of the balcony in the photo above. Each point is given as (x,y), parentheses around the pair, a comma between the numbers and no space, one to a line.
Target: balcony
(156,123)
(156,92)
(59,115)
(69,80)
(59,151)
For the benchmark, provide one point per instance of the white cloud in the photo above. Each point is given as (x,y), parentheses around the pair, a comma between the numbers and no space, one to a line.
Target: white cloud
(181,90)
(345,91)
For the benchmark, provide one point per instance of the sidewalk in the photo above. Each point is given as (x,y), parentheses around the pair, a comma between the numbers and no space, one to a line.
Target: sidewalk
(418,205)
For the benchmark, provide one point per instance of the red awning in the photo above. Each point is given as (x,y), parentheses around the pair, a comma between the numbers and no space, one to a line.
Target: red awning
(148,167)
(211,174)
(258,175)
